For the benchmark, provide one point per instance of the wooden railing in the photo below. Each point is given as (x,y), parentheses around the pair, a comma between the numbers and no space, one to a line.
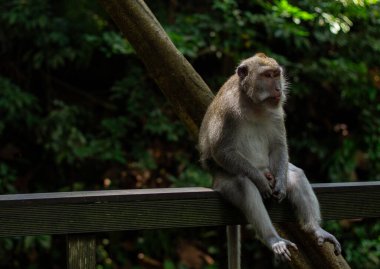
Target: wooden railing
(80,215)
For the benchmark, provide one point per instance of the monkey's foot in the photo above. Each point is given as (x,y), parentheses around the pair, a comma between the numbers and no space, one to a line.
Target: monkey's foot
(280,248)
(323,236)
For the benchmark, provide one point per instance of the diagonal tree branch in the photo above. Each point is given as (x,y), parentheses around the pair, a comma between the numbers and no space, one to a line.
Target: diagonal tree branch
(190,97)
(183,87)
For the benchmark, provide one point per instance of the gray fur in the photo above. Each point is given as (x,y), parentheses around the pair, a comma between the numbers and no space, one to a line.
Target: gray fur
(243,137)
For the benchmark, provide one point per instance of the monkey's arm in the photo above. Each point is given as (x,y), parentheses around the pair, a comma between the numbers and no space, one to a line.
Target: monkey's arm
(278,165)
(230,160)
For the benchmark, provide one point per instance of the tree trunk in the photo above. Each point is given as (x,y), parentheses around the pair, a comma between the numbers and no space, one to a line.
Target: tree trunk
(184,88)
(190,97)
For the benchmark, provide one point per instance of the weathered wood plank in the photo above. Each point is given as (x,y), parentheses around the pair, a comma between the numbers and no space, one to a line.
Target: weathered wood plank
(81,250)
(101,211)
(233,246)
(76,197)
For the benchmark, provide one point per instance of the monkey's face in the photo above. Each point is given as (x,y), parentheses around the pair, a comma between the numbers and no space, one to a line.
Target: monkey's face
(262,79)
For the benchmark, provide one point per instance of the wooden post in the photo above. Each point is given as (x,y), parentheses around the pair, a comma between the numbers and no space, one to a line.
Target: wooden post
(81,251)
(233,246)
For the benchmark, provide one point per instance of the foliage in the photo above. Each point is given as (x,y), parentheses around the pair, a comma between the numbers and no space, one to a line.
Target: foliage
(78,110)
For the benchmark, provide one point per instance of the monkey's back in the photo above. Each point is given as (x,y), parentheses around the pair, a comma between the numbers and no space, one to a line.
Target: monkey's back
(215,120)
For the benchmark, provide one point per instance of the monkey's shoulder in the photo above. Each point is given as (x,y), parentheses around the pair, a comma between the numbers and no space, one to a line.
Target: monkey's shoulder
(231,83)
(224,107)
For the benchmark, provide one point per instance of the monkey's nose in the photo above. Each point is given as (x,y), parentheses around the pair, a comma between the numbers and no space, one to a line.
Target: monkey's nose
(277,94)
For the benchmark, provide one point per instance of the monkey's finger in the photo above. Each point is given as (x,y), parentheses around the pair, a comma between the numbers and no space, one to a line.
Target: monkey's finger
(283,259)
(271,180)
(281,248)
(279,252)
(287,252)
(337,250)
(281,198)
(287,256)
(337,247)
(331,239)
(292,245)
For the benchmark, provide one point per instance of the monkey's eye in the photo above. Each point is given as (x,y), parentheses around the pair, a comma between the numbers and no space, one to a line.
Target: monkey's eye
(276,73)
(271,74)
(267,75)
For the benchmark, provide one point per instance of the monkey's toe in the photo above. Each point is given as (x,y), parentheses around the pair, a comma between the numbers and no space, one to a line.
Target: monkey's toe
(323,236)
(282,251)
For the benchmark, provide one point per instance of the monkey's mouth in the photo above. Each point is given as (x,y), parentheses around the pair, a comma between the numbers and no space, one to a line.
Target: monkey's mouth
(275,100)
(275,97)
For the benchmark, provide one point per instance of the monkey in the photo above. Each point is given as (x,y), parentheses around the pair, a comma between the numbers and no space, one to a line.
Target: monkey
(242,142)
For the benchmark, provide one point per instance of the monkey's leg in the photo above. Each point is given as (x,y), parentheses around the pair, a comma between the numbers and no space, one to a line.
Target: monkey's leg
(243,194)
(302,196)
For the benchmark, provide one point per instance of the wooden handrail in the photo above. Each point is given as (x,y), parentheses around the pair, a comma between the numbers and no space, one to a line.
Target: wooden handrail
(117,210)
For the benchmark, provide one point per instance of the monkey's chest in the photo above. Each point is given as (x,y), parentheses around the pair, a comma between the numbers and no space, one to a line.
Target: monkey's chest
(254,145)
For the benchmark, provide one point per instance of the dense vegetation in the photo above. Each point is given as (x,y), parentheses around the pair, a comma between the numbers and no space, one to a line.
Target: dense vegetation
(79,112)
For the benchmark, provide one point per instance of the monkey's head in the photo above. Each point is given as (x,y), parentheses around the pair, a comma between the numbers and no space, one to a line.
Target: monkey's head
(262,79)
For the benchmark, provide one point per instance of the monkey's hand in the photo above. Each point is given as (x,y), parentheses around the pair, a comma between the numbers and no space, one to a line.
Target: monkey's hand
(271,179)
(264,187)
(281,248)
(323,236)
(279,191)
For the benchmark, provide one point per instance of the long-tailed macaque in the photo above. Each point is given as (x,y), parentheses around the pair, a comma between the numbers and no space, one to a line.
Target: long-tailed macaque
(242,142)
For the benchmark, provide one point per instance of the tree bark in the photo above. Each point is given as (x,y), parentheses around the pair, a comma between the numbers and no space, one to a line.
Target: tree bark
(311,255)
(181,84)
(190,97)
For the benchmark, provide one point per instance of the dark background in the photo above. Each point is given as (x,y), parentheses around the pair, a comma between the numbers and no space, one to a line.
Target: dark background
(78,111)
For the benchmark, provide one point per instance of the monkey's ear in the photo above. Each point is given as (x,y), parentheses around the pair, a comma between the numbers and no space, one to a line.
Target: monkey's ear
(242,71)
